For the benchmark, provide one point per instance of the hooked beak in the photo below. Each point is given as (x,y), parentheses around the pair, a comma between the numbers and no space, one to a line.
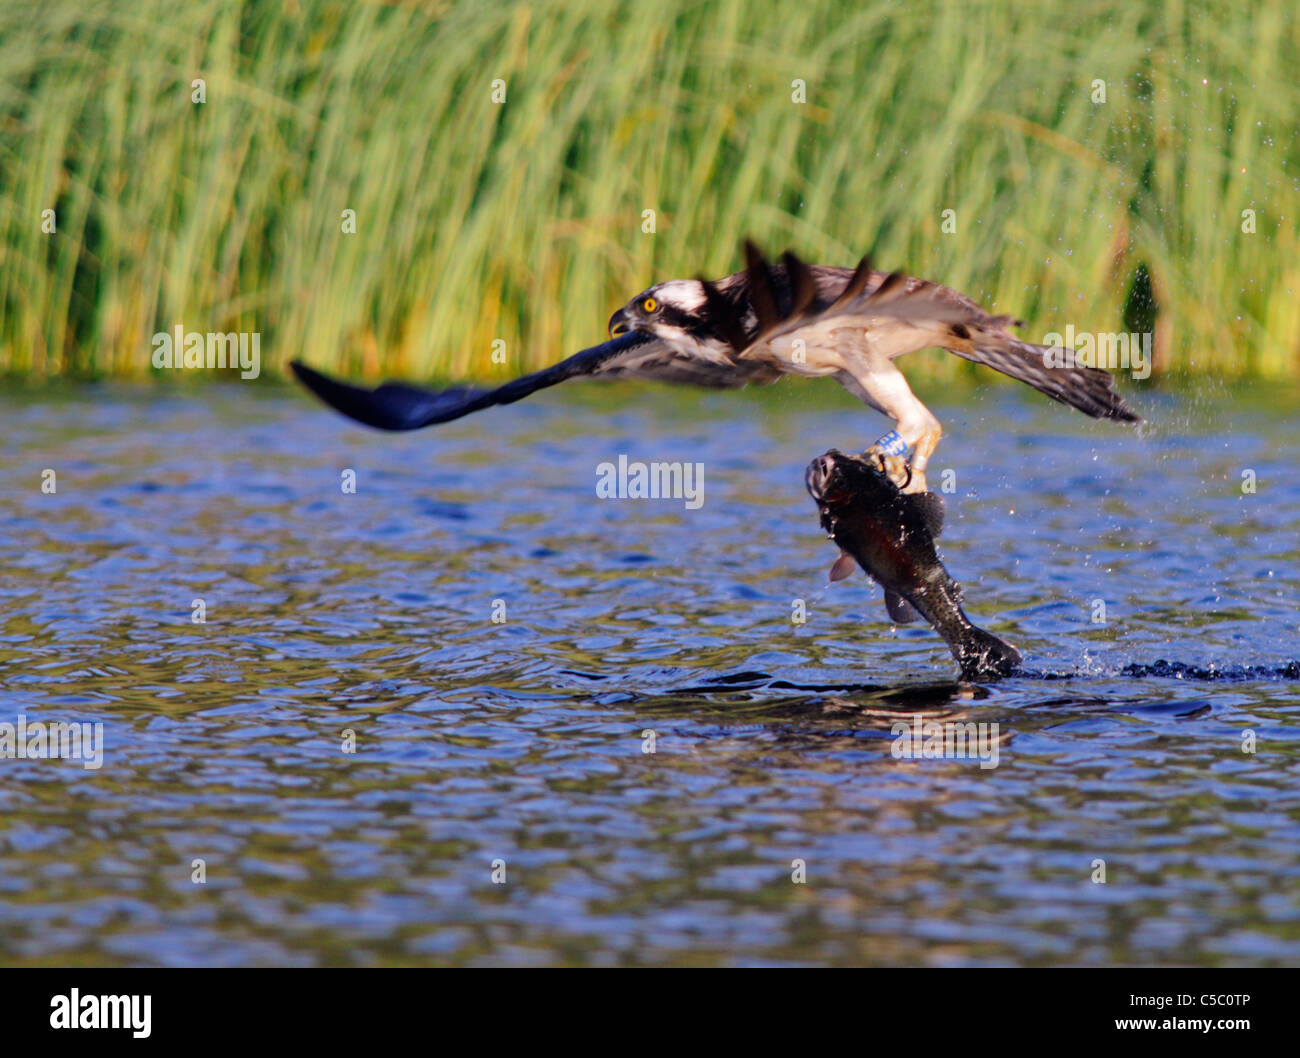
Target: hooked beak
(619,323)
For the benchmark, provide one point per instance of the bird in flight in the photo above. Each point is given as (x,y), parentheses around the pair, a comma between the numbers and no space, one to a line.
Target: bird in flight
(774,319)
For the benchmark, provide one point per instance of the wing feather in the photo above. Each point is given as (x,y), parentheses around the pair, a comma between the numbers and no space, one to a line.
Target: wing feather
(902,314)
(397,406)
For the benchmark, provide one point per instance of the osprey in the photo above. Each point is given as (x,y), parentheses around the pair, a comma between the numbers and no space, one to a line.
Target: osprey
(774,319)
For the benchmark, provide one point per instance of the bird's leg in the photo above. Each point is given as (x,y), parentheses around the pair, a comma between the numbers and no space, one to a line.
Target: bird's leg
(889,456)
(922,449)
(879,383)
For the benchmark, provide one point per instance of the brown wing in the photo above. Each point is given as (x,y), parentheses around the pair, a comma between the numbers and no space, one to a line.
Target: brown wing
(658,361)
(903,314)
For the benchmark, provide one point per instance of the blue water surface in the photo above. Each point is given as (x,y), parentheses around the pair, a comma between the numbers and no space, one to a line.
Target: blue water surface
(414,725)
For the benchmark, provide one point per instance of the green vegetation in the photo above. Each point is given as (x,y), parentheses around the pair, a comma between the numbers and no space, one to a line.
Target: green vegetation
(523,221)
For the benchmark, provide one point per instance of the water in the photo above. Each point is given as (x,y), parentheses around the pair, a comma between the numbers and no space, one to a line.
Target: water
(523,741)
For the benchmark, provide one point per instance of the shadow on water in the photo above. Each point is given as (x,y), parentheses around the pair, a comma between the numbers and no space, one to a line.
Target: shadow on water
(873,710)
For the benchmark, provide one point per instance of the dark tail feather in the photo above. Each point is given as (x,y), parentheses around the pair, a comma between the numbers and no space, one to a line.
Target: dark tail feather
(396,406)
(1089,389)
(983,656)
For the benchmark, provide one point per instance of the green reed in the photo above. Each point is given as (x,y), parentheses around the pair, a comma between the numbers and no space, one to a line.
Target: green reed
(522,221)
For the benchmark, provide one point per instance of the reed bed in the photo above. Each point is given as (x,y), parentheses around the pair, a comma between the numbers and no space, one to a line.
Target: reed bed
(522,221)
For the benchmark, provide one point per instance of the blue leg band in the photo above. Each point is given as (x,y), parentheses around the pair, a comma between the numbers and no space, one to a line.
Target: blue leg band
(892,444)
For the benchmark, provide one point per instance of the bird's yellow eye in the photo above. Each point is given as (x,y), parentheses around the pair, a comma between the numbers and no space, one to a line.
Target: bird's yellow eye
(649,304)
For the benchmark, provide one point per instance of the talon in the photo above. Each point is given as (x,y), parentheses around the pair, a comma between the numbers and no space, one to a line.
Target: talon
(894,467)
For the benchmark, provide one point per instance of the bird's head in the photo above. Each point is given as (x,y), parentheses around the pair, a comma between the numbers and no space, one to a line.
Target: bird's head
(672,311)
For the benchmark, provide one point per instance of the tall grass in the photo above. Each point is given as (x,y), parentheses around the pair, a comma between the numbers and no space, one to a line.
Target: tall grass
(522,221)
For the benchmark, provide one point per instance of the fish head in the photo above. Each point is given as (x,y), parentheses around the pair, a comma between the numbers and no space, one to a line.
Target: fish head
(835,480)
(847,491)
(864,512)
(825,479)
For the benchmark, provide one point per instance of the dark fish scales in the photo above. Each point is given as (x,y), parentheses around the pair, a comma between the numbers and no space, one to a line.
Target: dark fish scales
(890,534)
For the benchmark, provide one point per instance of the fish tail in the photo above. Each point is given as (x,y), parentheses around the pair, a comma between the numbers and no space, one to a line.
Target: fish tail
(983,656)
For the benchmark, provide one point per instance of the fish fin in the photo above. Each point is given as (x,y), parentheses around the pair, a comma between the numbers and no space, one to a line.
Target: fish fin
(900,610)
(929,505)
(843,567)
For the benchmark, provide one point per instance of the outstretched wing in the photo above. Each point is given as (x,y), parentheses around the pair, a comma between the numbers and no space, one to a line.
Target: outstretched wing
(660,362)
(901,315)
(397,406)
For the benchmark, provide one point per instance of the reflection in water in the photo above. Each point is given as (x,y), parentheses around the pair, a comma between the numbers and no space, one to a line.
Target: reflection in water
(524,740)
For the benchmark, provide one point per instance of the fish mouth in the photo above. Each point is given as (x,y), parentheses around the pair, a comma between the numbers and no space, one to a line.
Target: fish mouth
(822,476)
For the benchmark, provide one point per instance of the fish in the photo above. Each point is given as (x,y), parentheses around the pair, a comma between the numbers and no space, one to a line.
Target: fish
(890,534)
